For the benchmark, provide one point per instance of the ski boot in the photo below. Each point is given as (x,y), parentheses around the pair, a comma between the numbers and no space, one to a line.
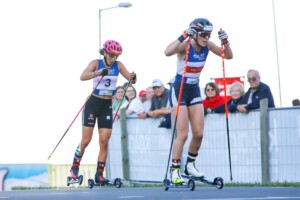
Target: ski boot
(192,171)
(74,178)
(176,176)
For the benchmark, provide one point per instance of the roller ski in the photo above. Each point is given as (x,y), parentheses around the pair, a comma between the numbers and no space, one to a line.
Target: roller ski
(191,173)
(74,178)
(100,181)
(177,181)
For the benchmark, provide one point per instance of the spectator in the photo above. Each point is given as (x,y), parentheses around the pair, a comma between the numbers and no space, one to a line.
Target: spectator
(149,95)
(159,103)
(171,81)
(135,105)
(213,98)
(142,96)
(257,91)
(237,92)
(118,99)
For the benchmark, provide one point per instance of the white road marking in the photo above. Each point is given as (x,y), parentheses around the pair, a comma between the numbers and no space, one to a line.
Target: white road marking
(129,197)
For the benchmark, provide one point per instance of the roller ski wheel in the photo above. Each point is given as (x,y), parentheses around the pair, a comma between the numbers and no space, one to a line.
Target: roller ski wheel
(70,180)
(167,183)
(219,182)
(118,182)
(91,183)
(191,184)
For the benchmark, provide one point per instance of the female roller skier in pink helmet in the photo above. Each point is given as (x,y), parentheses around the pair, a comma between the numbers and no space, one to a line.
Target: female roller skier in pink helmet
(99,105)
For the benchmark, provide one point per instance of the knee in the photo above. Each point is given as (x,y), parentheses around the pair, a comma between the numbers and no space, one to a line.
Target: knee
(198,136)
(84,143)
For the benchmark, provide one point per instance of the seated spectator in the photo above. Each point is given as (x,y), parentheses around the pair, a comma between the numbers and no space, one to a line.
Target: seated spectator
(119,94)
(237,92)
(134,106)
(149,95)
(159,103)
(257,91)
(142,96)
(213,98)
(296,102)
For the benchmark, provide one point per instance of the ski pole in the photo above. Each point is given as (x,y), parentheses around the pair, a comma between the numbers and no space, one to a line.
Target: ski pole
(178,102)
(75,118)
(226,107)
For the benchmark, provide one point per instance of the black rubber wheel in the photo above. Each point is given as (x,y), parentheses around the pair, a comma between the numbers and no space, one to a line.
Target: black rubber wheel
(80,178)
(191,184)
(219,182)
(91,183)
(166,182)
(118,182)
(68,179)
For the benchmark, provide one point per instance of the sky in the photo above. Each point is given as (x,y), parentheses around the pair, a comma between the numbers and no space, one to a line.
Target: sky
(45,46)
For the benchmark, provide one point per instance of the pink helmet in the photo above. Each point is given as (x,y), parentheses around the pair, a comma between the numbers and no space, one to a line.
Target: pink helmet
(113,47)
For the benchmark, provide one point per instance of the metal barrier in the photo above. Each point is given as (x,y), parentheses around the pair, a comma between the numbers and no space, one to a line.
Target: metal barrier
(264,143)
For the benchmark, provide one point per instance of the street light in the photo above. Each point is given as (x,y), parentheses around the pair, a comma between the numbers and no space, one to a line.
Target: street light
(120,5)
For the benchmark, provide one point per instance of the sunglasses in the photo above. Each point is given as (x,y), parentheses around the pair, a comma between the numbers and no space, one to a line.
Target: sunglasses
(155,87)
(112,55)
(210,89)
(204,35)
(252,79)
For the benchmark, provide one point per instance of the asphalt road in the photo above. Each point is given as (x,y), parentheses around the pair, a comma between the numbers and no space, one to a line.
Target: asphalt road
(157,193)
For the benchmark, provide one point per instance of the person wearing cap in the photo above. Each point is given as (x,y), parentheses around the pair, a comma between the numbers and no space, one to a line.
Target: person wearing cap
(142,96)
(159,103)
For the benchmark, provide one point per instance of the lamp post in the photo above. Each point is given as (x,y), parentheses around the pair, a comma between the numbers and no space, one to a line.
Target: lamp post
(278,71)
(120,5)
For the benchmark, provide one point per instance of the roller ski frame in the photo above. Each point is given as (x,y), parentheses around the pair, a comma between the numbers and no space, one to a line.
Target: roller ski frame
(218,181)
(168,184)
(117,183)
(71,180)
(191,182)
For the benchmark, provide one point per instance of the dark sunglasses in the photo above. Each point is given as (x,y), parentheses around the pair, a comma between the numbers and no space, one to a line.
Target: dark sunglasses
(155,87)
(210,89)
(112,55)
(252,79)
(204,35)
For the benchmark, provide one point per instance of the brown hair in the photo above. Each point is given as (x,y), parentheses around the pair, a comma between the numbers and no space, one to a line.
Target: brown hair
(213,85)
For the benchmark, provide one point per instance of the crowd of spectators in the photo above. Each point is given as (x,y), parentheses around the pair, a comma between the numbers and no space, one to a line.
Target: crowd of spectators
(153,101)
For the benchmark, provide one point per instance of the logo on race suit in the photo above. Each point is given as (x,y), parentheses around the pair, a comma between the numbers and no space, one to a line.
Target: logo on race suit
(199,56)
(91,117)
(195,100)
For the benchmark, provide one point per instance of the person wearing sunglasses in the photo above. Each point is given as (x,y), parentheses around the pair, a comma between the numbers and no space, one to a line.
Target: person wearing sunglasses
(197,36)
(213,98)
(104,73)
(257,91)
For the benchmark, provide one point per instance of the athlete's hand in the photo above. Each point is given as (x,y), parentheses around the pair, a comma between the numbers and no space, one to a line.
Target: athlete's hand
(223,37)
(189,32)
(101,72)
(104,72)
(133,77)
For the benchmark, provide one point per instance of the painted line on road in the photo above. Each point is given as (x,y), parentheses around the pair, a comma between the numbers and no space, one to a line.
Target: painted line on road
(129,197)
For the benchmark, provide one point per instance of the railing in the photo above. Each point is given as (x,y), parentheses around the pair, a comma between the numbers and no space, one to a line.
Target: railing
(265,147)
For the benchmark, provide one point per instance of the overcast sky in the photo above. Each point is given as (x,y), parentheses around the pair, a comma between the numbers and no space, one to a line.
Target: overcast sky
(45,45)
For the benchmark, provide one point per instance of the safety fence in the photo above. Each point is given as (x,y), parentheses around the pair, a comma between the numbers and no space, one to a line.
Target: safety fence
(264,145)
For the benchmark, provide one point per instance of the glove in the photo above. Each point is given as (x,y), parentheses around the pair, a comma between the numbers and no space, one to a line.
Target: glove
(223,37)
(187,33)
(104,72)
(133,77)
(101,72)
